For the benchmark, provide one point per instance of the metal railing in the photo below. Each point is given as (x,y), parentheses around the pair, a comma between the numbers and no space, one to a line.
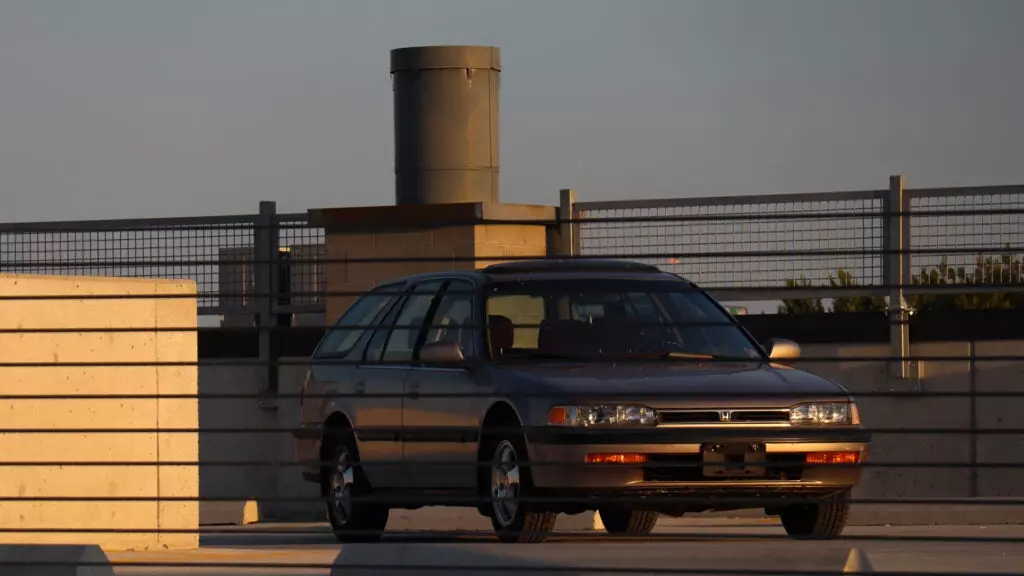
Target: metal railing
(751,247)
(768,247)
(217,252)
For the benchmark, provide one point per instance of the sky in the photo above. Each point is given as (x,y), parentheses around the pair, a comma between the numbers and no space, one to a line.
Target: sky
(139,108)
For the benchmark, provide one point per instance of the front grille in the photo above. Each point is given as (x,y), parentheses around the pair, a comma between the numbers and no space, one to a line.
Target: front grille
(689,467)
(723,417)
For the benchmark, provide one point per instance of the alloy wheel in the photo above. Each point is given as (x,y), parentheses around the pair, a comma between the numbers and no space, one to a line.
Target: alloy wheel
(505,483)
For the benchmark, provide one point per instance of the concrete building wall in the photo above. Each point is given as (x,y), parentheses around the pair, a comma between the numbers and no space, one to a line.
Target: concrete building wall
(142,419)
(430,250)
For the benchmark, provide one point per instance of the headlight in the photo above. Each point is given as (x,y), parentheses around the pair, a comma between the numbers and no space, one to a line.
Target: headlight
(825,414)
(602,415)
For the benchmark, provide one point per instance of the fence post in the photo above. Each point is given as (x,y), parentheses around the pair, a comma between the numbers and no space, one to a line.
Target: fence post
(896,274)
(972,481)
(568,230)
(265,243)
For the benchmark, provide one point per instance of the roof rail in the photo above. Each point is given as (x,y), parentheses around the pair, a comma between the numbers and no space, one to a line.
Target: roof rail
(569,265)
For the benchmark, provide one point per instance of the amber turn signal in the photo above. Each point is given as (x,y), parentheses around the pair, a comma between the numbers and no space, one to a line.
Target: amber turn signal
(616,458)
(833,457)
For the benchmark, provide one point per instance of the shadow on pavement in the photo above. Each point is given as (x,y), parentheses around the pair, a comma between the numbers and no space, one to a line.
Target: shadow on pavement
(561,558)
(446,560)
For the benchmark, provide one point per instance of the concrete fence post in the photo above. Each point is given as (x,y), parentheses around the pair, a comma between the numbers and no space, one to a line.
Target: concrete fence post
(896,274)
(568,229)
(265,278)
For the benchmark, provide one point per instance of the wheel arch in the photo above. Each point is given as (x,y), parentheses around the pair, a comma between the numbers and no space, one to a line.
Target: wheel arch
(336,422)
(499,414)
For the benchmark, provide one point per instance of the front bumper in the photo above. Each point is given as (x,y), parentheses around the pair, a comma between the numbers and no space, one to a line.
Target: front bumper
(674,461)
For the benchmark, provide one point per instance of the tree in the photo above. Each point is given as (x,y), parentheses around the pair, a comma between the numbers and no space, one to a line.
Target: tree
(1003,270)
(801,305)
(853,304)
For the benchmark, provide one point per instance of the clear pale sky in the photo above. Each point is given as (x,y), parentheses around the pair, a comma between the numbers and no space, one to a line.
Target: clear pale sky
(139,108)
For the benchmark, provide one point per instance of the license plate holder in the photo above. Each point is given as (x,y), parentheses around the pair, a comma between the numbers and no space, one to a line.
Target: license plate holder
(734,460)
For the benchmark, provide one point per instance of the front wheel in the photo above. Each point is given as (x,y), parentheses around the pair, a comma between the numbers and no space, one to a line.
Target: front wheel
(817,520)
(626,521)
(351,521)
(513,520)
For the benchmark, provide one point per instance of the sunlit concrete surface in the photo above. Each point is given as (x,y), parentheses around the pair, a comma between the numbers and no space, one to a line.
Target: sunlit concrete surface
(76,344)
(694,543)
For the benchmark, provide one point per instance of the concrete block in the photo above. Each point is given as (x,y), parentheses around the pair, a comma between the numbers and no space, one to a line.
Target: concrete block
(1000,413)
(853,373)
(135,419)
(234,513)
(857,563)
(996,482)
(915,412)
(250,512)
(452,235)
(951,375)
(24,559)
(511,235)
(998,375)
(918,482)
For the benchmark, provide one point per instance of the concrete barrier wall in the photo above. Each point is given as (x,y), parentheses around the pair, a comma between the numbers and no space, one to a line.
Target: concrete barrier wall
(917,411)
(146,310)
(265,484)
(921,410)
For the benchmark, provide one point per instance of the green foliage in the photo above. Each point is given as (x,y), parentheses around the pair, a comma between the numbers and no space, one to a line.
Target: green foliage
(801,305)
(853,304)
(1004,270)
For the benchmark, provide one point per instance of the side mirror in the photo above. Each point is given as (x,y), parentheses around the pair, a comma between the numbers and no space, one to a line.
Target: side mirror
(443,352)
(781,349)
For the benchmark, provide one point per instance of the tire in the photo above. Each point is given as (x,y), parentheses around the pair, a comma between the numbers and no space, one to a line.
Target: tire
(817,520)
(628,522)
(340,481)
(513,521)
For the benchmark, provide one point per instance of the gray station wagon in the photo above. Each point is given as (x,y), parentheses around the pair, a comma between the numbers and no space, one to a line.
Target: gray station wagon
(534,388)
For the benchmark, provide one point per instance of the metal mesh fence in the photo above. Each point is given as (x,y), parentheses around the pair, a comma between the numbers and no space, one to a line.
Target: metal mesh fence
(743,242)
(958,243)
(170,248)
(216,252)
(306,251)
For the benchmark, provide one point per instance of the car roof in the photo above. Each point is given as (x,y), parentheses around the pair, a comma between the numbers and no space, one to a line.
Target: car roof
(550,269)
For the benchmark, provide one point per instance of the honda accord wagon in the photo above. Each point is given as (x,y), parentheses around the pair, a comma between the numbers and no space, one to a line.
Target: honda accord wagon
(537,388)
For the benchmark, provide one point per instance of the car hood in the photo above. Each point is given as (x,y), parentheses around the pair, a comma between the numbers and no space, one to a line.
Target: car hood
(758,384)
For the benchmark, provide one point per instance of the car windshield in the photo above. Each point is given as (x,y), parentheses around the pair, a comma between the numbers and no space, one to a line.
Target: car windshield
(610,319)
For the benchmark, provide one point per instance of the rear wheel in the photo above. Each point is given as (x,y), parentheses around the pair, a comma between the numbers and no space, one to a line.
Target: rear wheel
(514,520)
(341,480)
(817,520)
(626,521)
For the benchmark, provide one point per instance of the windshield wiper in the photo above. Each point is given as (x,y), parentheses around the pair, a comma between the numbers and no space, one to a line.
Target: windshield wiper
(676,355)
(688,356)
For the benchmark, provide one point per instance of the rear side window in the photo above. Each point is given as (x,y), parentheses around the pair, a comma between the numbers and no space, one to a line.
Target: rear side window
(453,319)
(409,324)
(340,340)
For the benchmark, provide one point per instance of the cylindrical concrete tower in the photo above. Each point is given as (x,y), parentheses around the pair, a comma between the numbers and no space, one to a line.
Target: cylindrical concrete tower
(446,124)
